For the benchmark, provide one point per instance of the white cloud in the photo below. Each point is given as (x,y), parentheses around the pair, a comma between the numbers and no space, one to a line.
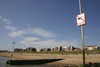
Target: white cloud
(7,21)
(29,25)
(0,17)
(16,33)
(27,41)
(48,43)
(10,27)
(31,39)
(42,32)
(33,31)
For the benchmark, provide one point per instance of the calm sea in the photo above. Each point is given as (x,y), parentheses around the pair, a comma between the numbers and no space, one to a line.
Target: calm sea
(3,64)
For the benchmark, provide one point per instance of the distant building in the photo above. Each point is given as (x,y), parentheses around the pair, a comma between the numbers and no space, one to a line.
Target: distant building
(63,48)
(30,49)
(60,48)
(24,50)
(41,49)
(38,50)
(18,50)
(77,49)
(52,49)
(91,47)
(56,48)
(45,49)
(68,48)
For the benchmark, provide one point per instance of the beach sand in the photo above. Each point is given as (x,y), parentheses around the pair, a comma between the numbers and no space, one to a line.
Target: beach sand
(67,59)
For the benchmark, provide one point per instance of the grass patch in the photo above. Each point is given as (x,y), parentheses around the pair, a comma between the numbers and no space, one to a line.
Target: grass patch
(63,52)
(91,65)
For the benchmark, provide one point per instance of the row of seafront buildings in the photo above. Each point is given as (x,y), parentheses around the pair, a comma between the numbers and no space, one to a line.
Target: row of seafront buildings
(59,48)
(29,49)
(65,48)
(94,47)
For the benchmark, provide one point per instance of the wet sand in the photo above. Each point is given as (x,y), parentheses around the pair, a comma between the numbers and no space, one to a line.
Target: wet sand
(67,59)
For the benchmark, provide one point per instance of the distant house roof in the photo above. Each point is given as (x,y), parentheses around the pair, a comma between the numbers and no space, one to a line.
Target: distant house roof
(91,45)
(77,49)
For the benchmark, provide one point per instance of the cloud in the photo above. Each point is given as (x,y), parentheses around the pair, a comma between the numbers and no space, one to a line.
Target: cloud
(27,41)
(10,27)
(16,33)
(29,25)
(31,39)
(7,21)
(48,43)
(0,17)
(32,31)
(42,32)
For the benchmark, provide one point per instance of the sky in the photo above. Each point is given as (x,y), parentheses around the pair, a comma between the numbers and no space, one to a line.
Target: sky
(47,23)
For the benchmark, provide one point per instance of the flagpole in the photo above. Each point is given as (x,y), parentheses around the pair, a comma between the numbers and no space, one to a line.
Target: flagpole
(12,50)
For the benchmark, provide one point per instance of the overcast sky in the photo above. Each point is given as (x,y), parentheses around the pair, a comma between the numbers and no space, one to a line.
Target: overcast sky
(47,23)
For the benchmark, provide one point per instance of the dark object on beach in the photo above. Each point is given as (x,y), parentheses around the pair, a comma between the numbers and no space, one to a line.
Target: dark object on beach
(33,62)
(62,54)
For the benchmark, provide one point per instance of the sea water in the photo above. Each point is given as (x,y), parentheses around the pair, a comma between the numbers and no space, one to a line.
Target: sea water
(3,64)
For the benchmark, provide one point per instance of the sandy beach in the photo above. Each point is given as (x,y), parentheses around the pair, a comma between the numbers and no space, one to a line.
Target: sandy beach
(67,59)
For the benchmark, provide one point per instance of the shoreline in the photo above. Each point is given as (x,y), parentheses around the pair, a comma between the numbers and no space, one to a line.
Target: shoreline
(67,59)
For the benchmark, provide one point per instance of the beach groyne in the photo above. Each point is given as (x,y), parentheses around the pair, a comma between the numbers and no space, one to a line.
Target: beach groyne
(32,62)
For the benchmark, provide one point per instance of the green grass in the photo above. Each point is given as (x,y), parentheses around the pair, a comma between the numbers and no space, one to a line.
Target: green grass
(65,52)
(91,65)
